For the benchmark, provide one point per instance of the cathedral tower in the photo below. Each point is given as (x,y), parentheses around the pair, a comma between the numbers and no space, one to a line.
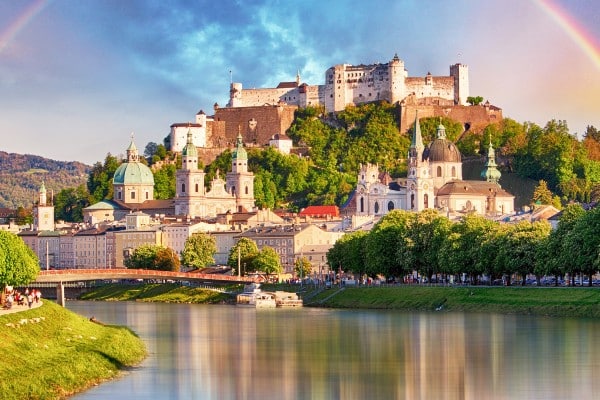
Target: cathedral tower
(419,184)
(240,181)
(189,182)
(490,171)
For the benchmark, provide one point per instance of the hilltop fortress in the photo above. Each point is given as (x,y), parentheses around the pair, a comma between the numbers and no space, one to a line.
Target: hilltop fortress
(260,113)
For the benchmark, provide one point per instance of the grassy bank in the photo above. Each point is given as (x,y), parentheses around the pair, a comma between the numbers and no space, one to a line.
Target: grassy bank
(167,293)
(561,302)
(50,353)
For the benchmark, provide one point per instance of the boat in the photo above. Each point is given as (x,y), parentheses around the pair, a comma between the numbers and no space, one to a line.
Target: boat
(253,296)
(287,299)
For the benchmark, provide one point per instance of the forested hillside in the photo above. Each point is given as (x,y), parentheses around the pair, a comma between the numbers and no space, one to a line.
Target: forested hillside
(22,174)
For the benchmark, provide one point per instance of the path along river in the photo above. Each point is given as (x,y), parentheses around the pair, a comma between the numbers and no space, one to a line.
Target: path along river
(228,352)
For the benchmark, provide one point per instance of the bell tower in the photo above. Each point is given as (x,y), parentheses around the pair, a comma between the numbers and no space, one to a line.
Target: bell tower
(419,183)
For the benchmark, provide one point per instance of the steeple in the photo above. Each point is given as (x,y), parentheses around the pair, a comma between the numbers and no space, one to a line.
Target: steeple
(132,152)
(416,145)
(42,195)
(490,171)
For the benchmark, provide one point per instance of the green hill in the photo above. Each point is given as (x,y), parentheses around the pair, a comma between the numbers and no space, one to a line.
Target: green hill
(22,174)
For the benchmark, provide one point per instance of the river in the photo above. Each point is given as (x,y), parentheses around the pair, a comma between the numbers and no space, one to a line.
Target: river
(228,352)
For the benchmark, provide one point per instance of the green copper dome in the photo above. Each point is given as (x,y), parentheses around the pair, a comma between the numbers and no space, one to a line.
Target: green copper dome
(133,171)
(190,149)
(240,153)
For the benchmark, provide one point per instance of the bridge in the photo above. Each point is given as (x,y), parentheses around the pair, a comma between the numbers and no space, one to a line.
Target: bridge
(60,276)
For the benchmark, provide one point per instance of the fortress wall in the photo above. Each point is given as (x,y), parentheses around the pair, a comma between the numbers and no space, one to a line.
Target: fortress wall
(478,117)
(259,97)
(267,121)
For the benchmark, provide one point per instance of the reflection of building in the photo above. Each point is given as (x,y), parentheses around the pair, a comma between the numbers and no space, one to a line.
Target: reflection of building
(434,181)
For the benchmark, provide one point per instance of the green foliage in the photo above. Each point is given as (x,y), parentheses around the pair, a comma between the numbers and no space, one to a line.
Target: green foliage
(164,182)
(542,195)
(69,203)
(199,250)
(18,263)
(244,251)
(267,260)
(99,182)
(474,100)
(302,267)
(151,256)
(348,253)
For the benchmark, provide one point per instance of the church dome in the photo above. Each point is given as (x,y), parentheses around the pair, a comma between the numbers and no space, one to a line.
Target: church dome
(131,173)
(442,149)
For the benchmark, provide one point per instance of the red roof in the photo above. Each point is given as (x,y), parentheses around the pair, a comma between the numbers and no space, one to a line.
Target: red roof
(320,211)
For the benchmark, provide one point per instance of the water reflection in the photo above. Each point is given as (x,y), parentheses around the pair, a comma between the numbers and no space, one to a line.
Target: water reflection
(225,352)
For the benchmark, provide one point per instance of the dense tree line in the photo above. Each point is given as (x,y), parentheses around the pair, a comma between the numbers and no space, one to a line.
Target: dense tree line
(403,242)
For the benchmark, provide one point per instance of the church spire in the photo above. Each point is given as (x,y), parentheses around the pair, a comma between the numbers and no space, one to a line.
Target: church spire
(490,171)
(416,145)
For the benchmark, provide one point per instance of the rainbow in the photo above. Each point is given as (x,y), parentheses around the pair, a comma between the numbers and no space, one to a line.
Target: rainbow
(582,38)
(8,34)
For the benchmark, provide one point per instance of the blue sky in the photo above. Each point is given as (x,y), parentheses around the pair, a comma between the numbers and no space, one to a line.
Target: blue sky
(77,77)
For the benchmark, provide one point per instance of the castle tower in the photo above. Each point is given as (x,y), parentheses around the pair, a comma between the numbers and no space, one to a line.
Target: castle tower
(43,212)
(419,184)
(240,181)
(397,79)
(189,182)
(235,95)
(490,171)
(460,73)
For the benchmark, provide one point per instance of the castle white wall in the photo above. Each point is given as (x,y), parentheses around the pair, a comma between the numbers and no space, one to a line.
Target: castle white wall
(178,135)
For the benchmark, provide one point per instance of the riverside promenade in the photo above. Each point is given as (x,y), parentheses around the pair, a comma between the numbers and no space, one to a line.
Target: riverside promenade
(16,308)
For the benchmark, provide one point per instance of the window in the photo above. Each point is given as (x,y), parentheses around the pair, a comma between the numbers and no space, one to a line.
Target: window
(183,188)
(362,204)
(439,171)
(118,195)
(376,207)
(196,188)
(454,171)
(390,206)
(426,200)
(132,195)
(246,190)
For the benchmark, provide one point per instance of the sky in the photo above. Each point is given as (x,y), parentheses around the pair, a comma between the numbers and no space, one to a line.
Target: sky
(77,78)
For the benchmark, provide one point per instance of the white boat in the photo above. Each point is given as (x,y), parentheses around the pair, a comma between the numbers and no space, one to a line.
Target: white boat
(252,296)
(287,299)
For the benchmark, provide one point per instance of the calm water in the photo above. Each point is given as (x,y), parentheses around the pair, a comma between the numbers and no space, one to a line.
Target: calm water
(226,352)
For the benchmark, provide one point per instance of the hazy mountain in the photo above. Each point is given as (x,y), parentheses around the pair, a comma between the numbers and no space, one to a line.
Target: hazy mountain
(21,176)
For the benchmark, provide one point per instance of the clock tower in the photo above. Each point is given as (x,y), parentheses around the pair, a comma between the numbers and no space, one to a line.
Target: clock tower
(419,183)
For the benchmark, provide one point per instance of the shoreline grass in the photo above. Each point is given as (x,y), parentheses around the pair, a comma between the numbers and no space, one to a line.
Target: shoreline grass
(51,353)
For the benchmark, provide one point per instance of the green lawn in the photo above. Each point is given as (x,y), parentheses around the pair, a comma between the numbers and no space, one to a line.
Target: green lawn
(50,353)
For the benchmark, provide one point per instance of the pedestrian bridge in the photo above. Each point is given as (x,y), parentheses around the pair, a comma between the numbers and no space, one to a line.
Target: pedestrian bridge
(81,275)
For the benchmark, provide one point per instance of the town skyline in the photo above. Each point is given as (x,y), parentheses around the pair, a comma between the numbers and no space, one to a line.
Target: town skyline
(89,74)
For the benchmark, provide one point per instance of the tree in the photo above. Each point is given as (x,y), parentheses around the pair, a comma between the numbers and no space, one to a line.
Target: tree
(302,267)
(474,100)
(349,252)
(267,260)
(18,263)
(69,203)
(24,216)
(199,250)
(541,194)
(164,182)
(99,182)
(152,256)
(242,254)
(583,243)
(425,238)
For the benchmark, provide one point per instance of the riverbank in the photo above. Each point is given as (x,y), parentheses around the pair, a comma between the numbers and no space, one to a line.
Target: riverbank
(160,292)
(50,352)
(546,301)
